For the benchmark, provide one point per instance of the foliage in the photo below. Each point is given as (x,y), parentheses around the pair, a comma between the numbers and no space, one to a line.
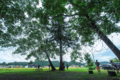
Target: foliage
(31,62)
(94,9)
(115,60)
(75,54)
(24,25)
(89,61)
(81,60)
(93,67)
(4,63)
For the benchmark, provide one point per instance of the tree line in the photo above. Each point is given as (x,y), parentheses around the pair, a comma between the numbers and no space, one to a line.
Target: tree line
(46,63)
(41,63)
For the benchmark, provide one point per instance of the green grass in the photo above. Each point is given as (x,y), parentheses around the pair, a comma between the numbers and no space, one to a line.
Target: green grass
(70,74)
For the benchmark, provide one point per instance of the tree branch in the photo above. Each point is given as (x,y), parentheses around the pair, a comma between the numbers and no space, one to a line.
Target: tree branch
(63,15)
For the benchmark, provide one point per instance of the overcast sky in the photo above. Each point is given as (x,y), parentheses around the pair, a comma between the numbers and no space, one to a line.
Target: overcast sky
(100,51)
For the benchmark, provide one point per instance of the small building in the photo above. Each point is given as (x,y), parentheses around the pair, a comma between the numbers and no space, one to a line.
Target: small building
(1,66)
(73,66)
(32,66)
(76,65)
(26,66)
(82,66)
(17,66)
(11,66)
(5,66)
(46,66)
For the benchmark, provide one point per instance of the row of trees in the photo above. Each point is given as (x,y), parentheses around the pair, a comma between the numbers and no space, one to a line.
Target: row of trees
(56,26)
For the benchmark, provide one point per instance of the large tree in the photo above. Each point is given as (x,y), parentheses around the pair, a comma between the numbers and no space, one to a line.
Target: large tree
(34,43)
(19,29)
(87,19)
(61,35)
(44,51)
(91,21)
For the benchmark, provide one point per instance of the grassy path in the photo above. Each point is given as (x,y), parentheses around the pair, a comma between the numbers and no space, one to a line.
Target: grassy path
(71,74)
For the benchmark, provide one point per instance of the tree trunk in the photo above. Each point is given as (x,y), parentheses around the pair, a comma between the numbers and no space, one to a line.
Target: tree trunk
(53,68)
(104,38)
(61,62)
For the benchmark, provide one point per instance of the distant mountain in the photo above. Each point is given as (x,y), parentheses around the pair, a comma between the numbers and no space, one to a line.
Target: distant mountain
(104,62)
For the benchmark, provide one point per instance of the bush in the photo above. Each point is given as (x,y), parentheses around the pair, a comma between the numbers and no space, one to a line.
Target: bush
(89,61)
(92,67)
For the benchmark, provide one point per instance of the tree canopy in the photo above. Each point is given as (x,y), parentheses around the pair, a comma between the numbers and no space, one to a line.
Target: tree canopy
(26,26)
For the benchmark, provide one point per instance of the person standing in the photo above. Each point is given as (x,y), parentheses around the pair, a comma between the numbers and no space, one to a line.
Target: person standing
(67,66)
(97,66)
(113,64)
(38,67)
(49,67)
(63,66)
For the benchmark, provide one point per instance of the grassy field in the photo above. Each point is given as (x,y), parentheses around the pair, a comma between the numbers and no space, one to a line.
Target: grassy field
(45,74)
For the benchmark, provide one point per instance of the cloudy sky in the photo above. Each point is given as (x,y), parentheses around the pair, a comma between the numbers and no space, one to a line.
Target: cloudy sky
(104,53)
(99,51)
